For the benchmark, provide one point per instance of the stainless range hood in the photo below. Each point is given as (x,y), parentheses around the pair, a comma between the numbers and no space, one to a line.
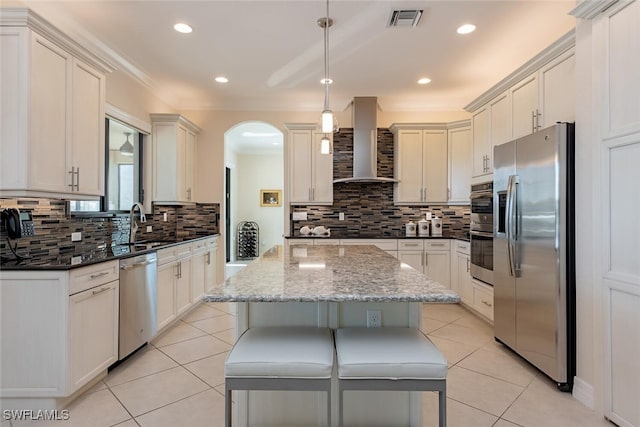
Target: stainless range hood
(365,141)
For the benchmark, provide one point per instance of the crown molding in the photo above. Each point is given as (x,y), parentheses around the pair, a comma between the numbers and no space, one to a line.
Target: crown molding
(589,9)
(173,118)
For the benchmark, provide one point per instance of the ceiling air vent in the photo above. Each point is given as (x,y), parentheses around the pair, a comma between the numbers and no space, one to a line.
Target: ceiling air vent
(405,18)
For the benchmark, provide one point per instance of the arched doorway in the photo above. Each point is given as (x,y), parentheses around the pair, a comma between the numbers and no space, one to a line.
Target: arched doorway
(254,162)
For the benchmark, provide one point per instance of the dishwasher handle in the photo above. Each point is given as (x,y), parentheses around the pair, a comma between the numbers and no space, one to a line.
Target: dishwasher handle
(137,264)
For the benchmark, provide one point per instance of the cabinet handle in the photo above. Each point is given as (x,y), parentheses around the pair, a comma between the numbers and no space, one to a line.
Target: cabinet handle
(72,172)
(467,265)
(188,193)
(95,276)
(436,244)
(78,178)
(411,244)
(426,259)
(100,291)
(179,270)
(533,121)
(538,116)
(486,303)
(208,258)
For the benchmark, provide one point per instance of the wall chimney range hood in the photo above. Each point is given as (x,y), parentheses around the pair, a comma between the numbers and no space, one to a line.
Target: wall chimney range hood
(365,142)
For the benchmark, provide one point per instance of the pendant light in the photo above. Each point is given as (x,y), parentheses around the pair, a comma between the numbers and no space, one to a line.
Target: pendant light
(327,114)
(126,148)
(325,145)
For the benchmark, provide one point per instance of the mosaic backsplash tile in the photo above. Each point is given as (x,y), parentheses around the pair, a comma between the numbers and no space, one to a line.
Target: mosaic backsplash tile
(54,226)
(368,207)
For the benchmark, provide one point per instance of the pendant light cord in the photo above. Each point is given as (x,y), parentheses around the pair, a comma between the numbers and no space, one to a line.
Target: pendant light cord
(326,59)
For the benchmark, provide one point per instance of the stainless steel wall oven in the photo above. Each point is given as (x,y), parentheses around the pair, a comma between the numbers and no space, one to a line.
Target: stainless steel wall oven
(481,232)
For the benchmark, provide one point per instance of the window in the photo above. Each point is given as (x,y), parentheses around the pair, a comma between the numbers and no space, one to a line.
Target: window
(123,171)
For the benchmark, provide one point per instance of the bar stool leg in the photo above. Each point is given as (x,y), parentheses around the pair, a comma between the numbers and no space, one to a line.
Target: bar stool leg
(442,404)
(227,408)
(340,406)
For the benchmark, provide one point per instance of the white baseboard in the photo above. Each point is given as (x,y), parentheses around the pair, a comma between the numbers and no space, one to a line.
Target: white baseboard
(583,392)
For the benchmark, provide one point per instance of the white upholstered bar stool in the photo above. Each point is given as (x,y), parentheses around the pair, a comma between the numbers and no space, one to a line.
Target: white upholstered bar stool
(395,359)
(280,358)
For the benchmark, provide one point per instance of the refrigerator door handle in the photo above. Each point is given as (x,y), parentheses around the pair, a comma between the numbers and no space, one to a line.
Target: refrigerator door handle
(510,219)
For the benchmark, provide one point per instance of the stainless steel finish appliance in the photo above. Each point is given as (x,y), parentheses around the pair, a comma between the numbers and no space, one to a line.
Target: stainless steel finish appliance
(138,295)
(534,266)
(481,232)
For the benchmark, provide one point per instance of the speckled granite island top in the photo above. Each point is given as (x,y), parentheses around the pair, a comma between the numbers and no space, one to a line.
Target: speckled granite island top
(359,273)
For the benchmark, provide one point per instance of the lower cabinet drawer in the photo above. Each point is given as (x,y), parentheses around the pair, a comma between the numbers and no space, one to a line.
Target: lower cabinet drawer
(483,300)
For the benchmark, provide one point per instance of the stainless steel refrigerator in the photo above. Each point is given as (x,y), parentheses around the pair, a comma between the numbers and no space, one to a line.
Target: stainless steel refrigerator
(533,250)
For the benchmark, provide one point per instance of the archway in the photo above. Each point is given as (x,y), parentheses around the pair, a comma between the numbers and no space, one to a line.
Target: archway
(254,157)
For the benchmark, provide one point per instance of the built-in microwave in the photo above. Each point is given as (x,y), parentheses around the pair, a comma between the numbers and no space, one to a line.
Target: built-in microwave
(481,232)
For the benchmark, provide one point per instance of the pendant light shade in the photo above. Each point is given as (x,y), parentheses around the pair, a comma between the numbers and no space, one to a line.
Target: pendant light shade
(127,148)
(327,121)
(325,145)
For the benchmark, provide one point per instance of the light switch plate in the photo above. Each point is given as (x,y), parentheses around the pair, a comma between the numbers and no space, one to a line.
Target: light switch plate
(149,228)
(76,237)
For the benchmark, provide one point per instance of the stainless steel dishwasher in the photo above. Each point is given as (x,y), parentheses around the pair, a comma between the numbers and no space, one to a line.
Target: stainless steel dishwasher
(138,296)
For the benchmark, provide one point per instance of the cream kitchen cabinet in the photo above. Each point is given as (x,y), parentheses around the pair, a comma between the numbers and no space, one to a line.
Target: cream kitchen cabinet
(310,172)
(460,160)
(68,332)
(491,126)
(203,267)
(174,283)
(429,256)
(390,246)
(420,164)
(174,153)
(52,134)
(460,271)
(533,97)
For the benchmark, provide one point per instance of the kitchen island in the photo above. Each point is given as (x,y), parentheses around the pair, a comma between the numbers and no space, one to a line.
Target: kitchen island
(328,286)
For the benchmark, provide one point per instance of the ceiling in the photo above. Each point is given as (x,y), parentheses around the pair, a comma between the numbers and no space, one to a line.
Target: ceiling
(272,51)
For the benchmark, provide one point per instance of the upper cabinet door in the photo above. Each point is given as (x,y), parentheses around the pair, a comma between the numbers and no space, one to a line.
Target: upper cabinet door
(322,168)
(49,118)
(434,174)
(409,166)
(87,141)
(557,90)
(481,141)
(460,158)
(300,147)
(524,107)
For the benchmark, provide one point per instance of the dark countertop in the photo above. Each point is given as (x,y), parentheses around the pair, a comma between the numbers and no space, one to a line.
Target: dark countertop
(102,253)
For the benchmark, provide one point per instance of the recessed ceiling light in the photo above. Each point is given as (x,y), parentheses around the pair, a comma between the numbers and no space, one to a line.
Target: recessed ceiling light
(327,81)
(466,29)
(182,28)
(424,81)
(222,79)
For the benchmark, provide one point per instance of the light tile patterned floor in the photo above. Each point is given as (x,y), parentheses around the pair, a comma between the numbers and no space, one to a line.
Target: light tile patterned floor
(178,379)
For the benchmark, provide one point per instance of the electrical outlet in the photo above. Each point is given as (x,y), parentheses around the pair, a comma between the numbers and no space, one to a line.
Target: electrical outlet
(341,216)
(149,228)
(76,237)
(374,318)
(164,217)
(299,216)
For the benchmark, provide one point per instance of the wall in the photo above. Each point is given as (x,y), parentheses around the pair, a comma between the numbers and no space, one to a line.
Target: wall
(368,207)
(255,173)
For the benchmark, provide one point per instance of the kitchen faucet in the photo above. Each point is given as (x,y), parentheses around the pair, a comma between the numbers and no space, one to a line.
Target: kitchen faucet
(132,220)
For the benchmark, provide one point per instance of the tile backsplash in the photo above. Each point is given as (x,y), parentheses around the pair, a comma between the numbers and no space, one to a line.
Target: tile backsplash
(54,225)
(368,207)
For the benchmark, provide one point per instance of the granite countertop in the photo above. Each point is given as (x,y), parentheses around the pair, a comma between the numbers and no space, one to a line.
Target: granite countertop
(356,273)
(83,256)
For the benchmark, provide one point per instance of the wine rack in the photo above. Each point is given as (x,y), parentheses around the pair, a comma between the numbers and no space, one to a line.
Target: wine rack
(248,234)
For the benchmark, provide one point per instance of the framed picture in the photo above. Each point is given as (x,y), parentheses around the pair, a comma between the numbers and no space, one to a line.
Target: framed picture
(270,198)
